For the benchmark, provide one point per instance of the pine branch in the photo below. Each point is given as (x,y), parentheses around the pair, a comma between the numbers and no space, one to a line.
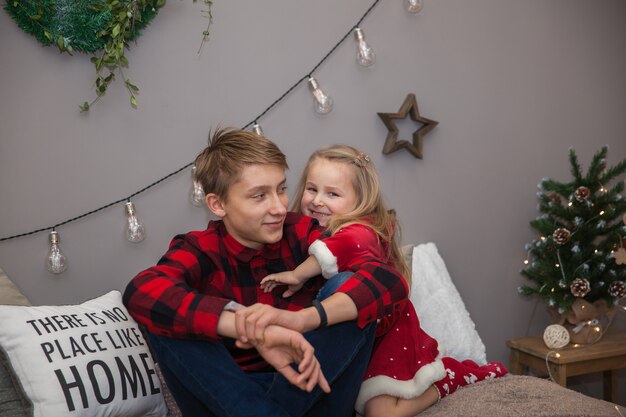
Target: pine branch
(613,172)
(598,163)
(575,166)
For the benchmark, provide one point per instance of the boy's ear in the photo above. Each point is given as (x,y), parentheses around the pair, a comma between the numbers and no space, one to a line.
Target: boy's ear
(214,203)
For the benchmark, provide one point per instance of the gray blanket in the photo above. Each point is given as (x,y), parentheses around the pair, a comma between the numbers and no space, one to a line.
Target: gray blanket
(516,395)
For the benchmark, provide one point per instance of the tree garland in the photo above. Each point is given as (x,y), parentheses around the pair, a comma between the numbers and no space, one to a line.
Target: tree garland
(100,27)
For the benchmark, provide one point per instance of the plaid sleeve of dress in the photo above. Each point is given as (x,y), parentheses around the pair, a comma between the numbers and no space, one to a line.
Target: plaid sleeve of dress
(166,298)
(377,289)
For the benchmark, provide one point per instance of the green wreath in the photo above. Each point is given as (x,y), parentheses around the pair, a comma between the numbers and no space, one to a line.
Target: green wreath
(90,26)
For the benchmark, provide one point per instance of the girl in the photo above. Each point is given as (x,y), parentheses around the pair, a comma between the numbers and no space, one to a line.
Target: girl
(339,187)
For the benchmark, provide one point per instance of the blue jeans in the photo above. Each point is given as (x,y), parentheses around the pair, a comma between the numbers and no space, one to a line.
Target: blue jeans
(206,381)
(333,285)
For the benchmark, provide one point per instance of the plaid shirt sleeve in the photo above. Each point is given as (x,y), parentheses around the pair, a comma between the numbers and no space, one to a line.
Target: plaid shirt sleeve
(166,298)
(377,289)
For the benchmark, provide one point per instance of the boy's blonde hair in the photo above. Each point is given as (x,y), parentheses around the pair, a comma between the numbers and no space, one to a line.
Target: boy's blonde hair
(370,208)
(220,164)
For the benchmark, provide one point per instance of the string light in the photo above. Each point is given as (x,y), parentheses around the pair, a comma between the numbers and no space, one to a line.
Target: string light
(197,195)
(322,103)
(413,6)
(135,230)
(256,128)
(365,54)
(56,262)
(138,234)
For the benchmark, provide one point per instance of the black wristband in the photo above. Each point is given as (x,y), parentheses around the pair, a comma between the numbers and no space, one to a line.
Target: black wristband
(320,310)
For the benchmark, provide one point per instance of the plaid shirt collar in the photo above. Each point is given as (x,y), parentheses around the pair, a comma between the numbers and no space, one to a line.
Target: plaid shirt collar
(245,254)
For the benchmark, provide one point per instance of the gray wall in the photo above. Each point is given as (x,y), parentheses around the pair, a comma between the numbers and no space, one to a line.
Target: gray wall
(513,84)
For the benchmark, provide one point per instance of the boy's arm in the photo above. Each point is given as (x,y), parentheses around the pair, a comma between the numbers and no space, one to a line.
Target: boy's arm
(375,289)
(281,347)
(163,298)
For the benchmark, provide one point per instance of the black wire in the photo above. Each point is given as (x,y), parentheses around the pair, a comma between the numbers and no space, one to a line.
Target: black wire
(278,100)
(297,83)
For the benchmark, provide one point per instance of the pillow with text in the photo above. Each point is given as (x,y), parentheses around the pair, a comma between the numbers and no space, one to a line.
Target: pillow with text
(86,360)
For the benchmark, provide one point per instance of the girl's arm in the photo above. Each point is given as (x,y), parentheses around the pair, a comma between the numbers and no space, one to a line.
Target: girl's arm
(295,279)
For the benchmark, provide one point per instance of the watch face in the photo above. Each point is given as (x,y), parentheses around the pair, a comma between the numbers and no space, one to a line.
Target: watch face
(233,306)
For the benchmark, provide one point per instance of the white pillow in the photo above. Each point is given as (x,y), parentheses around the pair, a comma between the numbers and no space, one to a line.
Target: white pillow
(82,360)
(440,309)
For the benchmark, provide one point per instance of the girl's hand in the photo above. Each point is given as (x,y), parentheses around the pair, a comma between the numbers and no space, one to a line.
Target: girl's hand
(282,347)
(288,277)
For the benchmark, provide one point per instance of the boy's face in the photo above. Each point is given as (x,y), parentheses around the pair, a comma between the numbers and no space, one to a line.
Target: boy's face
(255,207)
(328,190)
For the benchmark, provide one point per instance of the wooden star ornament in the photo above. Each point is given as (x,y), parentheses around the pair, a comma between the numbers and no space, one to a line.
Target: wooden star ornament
(392,144)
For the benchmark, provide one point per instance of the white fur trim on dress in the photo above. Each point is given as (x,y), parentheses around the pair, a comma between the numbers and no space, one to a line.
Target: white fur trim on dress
(325,257)
(384,385)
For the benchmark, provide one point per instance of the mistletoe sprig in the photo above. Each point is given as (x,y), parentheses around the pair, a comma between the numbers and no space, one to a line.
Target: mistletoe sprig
(102,27)
(120,29)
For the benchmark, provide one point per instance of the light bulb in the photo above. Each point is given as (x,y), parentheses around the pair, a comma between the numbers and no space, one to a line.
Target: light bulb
(365,55)
(323,103)
(56,262)
(135,231)
(413,6)
(197,195)
(256,128)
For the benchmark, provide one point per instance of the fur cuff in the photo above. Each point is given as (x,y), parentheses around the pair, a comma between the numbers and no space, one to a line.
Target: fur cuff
(325,258)
(426,376)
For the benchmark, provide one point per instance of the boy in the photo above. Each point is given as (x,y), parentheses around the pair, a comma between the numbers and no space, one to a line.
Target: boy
(227,348)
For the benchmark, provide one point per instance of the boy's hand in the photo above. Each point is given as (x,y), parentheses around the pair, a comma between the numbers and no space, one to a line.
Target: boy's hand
(282,347)
(251,322)
(288,277)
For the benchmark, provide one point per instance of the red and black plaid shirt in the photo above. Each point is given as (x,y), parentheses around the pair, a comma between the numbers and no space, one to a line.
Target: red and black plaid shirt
(185,293)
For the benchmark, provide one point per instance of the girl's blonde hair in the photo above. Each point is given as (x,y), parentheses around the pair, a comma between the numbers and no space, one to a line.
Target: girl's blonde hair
(370,208)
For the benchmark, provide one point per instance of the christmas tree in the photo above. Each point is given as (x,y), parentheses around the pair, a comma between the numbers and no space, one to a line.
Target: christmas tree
(579,253)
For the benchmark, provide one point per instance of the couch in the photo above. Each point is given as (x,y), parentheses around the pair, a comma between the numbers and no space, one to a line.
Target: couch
(96,352)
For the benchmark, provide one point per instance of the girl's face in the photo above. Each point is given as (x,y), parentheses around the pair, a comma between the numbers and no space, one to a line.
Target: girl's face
(328,190)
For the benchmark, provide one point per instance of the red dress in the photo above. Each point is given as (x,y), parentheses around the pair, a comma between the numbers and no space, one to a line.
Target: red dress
(405,360)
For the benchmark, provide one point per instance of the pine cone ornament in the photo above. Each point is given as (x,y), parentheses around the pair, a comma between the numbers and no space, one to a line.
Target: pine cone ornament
(617,289)
(582,193)
(580,287)
(554,197)
(561,235)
